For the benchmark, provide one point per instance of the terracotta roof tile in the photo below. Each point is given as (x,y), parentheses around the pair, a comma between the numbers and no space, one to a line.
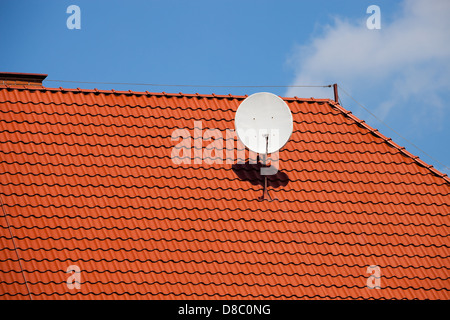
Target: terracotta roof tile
(87,179)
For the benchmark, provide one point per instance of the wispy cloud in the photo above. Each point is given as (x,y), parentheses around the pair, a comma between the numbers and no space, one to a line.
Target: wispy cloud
(407,60)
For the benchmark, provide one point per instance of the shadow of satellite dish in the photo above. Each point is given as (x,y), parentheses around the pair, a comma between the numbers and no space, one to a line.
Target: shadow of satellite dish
(252,173)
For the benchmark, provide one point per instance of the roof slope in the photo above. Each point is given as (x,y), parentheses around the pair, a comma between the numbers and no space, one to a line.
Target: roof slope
(87,179)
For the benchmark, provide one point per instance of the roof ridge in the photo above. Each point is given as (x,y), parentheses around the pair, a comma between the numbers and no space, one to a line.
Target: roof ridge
(140,93)
(389,141)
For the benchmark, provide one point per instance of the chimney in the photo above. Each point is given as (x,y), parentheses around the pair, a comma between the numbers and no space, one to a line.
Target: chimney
(17,78)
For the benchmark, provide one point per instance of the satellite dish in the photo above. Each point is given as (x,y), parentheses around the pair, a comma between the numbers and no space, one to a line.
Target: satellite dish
(263,122)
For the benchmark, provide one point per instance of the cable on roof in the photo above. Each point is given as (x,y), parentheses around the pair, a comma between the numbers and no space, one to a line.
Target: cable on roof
(405,139)
(194,85)
(15,248)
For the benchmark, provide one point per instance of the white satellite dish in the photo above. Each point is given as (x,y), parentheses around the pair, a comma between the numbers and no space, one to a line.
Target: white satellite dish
(263,122)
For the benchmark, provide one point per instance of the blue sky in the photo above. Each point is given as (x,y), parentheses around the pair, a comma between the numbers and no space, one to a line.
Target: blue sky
(401,73)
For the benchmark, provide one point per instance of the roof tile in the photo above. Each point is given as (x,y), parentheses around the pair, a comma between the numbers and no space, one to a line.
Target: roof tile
(87,179)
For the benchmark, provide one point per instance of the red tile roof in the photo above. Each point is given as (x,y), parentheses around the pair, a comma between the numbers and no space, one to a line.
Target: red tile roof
(87,179)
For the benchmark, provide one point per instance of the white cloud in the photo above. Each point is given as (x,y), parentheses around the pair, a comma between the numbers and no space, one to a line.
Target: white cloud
(408,59)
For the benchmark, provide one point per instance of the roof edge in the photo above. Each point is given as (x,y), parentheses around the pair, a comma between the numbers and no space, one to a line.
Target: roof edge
(389,141)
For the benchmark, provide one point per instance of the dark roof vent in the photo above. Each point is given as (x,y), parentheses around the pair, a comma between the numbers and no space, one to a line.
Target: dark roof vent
(17,78)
